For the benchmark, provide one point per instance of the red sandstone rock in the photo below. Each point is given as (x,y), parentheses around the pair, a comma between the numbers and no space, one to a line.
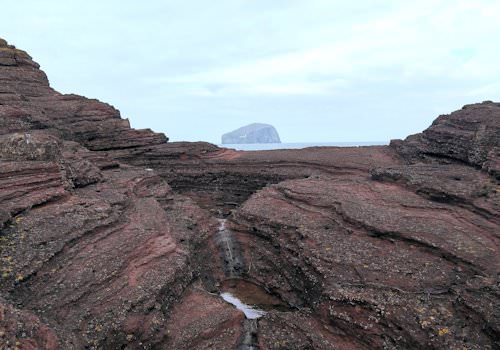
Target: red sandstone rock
(109,234)
(470,135)
(23,330)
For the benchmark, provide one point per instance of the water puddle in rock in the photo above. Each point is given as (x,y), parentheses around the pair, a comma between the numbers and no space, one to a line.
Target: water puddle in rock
(250,312)
(250,298)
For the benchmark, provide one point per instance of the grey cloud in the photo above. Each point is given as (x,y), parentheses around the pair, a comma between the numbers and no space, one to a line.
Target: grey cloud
(319,70)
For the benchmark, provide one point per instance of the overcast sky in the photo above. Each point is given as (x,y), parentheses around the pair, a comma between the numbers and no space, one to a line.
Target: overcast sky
(318,70)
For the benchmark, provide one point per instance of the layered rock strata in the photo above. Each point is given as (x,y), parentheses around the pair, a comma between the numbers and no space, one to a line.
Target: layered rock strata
(111,237)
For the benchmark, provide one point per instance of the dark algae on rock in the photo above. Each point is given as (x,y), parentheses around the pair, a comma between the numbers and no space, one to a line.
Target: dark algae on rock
(114,238)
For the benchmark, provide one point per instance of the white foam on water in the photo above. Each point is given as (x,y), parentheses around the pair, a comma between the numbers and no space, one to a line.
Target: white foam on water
(250,312)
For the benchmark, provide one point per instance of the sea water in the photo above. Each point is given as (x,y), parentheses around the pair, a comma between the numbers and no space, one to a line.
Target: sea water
(299,145)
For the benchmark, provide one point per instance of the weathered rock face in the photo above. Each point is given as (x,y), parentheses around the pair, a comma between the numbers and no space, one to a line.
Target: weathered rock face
(253,133)
(94,253)
(110,237)
(420,235)
(470,135)
(14,322)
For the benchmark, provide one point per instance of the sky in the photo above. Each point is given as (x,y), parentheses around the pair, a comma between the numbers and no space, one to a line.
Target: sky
(318,70)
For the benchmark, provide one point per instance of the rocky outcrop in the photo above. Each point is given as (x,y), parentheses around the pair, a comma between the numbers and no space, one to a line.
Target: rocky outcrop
(111,237)
(356,251)
(420,235)
(253,133)
(94,253)
(470,135)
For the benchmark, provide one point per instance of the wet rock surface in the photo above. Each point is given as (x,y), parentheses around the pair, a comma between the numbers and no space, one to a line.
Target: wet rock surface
(111,237)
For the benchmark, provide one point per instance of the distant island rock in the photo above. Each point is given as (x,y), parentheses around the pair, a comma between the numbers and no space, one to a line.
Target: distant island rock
(253,133)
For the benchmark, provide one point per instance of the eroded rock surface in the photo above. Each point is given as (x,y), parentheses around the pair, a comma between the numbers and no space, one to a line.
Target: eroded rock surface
(470,135)
(111,237)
